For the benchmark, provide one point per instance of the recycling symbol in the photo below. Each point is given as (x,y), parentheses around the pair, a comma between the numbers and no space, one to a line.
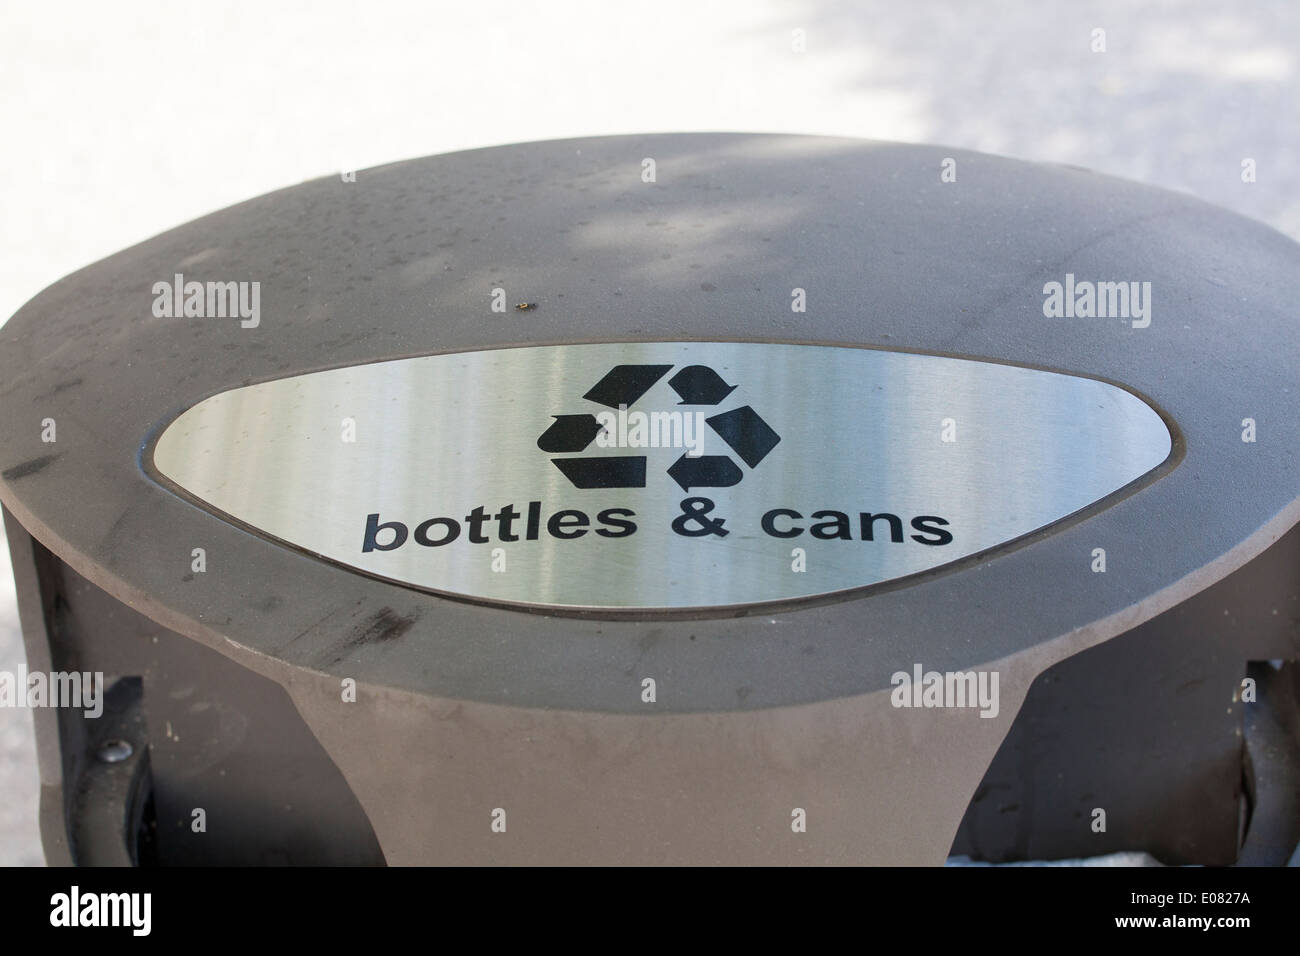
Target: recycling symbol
(741,428)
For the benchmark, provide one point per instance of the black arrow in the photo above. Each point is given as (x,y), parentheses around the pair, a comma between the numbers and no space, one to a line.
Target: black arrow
(707,471)
(624,384)
(569,433)
(748,435)
(626,471)
(700,385)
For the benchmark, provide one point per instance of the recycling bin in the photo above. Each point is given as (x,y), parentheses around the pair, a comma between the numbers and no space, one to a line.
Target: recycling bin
(672,499)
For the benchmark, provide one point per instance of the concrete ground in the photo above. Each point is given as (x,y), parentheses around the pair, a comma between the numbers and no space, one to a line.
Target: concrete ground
(121,122)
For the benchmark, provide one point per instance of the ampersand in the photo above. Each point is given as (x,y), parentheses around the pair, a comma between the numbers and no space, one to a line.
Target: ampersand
(693,511)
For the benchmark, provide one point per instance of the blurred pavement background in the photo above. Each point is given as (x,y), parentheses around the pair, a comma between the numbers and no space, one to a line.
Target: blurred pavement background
(123,120)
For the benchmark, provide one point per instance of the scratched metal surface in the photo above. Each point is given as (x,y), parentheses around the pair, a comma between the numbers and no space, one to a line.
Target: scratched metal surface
(435,437)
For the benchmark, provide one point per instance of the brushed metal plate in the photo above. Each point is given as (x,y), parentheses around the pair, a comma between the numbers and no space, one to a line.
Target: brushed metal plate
(515,476)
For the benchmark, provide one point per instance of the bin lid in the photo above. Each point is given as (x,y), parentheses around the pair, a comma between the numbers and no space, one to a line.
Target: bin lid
(950,395)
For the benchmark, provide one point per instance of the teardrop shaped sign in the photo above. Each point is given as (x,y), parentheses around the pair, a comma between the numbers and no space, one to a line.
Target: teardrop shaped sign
(659,474)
